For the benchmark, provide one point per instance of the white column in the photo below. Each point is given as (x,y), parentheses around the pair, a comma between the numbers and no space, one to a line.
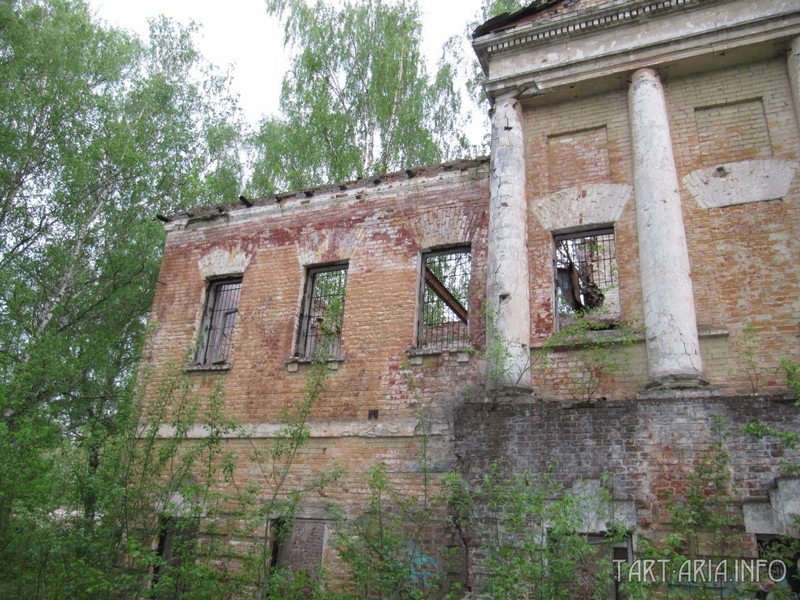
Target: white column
(508,285)
(793,65)
(673,348)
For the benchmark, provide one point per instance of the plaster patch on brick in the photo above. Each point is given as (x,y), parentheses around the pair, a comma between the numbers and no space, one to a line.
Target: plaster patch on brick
(785,500)
(582,205)
(596,509)
(741,182)
(223,262)
(326,245)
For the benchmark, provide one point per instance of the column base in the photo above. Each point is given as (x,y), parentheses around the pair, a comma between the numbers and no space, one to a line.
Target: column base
(677,382)
(677,386)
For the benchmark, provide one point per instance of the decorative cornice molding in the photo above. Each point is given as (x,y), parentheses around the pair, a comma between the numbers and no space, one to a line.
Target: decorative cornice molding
(534,58)
(578,22)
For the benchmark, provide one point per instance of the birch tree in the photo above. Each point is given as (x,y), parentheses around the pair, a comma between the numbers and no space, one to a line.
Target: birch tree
(99,132)
(358,99)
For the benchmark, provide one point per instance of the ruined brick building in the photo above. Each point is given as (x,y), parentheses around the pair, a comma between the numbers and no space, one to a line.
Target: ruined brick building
(643,161)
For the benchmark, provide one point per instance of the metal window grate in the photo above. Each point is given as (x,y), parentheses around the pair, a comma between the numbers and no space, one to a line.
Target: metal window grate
(586,275)
(320,334)
(222,306)
(445,299)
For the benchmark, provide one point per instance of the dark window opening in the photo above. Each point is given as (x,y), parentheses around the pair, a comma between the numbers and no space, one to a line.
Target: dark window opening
(586,277)
(279,531)
(444,322)
(782,555)
(322,315)
(297,545)
(219,318)
(176,546)
(604,568)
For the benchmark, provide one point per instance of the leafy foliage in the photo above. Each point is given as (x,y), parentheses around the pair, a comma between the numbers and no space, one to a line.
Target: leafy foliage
(99,131)
(357,99)
(385,548)
(596,354)
(705,525)
(790,439)
(530,540)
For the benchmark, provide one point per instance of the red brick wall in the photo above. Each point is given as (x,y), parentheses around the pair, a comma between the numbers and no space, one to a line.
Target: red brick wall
(744,258)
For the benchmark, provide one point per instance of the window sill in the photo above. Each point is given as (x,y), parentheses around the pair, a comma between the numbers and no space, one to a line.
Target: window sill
(600,336)
(209,368)
(437,351)
(293,362)
(417,355)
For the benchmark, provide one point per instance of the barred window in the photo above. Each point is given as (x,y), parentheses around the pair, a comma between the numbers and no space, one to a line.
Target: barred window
(586,276)
(322,315)
(219,318)
(444,319)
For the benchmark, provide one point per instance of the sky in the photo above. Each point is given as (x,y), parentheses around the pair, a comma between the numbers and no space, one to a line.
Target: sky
(239,33)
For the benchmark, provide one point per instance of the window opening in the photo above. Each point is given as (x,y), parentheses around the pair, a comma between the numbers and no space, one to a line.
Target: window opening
(782,556)
(320,333)
(297,545)
(175,546)
(222,306)
(279,532)
(606,557)
(586,276)
(445,299)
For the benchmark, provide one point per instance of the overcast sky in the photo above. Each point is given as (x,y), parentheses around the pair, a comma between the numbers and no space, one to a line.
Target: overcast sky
(239,33)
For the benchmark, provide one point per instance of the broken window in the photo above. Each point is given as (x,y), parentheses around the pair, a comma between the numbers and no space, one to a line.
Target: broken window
(222,306)
(320,331)
(444,321)
(586,277)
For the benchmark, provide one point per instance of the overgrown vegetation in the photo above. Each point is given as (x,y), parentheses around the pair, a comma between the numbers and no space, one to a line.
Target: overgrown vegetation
(99,132)
(596,354)
(790,439)
(531,545)
(269,504)
(357,99)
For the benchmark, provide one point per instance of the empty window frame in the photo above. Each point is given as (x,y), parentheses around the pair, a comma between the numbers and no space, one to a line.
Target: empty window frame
(219,318)
(444,318)
(320,331)
(586,276)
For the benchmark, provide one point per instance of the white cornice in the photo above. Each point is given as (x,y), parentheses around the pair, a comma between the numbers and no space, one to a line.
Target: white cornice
(546,30)
(533,58)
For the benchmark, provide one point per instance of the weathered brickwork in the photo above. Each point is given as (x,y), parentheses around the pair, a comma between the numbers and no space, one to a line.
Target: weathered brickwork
(577,157)
(729,132)
(381,231)
(722,117)
(740,255)
(381,237)
(650,447)
(744,258)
